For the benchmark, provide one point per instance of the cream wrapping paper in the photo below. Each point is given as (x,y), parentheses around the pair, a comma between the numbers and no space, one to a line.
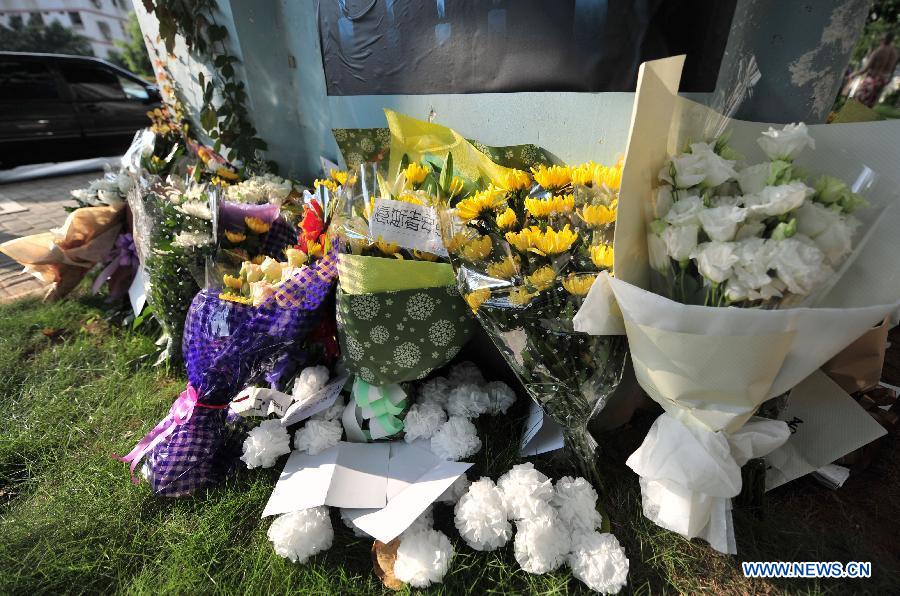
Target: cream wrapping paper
(711,368)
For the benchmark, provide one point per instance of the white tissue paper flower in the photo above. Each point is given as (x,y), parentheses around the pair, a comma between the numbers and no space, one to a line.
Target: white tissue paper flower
(685,211)
(786,143)
(753,179)
(423,558)
(455,491)
(501,396)
(526,492)
(720,223)
(480,516)
(333,412)
(800,264)
(455,439)
(468,400)
(575,501)
(345,517)
(681,241)
(465,372)
(310,380)
(265,444)
(714,260)
(777,200)
(424,522)
(422,420)
(599,561)
(541,543)
(830,230)
(318,435)
(301,534)
(435,390)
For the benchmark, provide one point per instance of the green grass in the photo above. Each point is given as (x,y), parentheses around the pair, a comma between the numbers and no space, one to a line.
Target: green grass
(74,389)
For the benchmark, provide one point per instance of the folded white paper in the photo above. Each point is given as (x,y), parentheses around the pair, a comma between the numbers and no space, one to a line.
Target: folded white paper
(541,434)
(314,403)
(260,401)
(137,291)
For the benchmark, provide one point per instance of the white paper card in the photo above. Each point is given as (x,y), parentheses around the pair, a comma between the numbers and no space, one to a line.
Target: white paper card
(360,476)
(303,483)
(541,434)
(314,403)
(826,424)
(389,522)
(410,226)
(137,291)
(407,464)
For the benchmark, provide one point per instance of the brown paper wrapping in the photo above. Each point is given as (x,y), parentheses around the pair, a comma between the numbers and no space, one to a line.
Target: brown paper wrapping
(63,256)
(858,366)
(383,558)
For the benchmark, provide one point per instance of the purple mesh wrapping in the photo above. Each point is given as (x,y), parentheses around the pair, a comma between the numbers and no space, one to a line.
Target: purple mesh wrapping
(225,343)
(280,236)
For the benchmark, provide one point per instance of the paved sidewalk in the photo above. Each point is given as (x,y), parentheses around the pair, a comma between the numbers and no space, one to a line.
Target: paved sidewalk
(43,201)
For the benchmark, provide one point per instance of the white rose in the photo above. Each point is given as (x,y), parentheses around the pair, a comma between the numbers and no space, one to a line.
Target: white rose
(753,179)
(720,223)
(777,200)
(681,241)
(830,230)
(659,257)
(715,260)
(786,143)
(800,265)
(685,211)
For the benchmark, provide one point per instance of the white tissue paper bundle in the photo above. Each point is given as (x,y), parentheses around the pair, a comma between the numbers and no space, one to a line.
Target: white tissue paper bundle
(599,561)
(310,380)
(542,543)
(481,517)
(265,444)
(576,502)
(526,492)
(423,558)
(456,439)
(301,534)
(318,435)
(422,420)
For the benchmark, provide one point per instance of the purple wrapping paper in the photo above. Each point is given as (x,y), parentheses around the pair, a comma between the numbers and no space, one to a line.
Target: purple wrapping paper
(233,214)
(226,343)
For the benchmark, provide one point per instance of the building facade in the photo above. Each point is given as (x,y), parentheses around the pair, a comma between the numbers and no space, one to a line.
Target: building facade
(102,22)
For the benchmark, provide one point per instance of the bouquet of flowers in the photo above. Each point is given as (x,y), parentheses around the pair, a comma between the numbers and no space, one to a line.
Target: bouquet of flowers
(737,249)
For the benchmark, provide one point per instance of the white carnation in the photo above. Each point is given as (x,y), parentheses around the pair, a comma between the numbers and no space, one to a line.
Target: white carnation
(310,380)
(715,260)
(753,179)
(265,444)
(422,420)
(786,143)
(541,543)
(575,501)
(423,558)
(526,491)
(435,390)
(318,435)
(455,491)
(455,439)
(481,518)
(800,265)
(685,211)
(301,534)
(468,400)
(501,397)
(720,223)
(777,200)
(681,241)
(465,372)
(599,561)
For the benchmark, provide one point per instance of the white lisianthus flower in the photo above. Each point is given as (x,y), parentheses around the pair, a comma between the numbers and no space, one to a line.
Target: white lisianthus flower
(702,166)
(663,201)
(720,223)
(754,260)
(753,179)
(777,200)
(715,260)
(786,143)
(659,257)
(685,211)
(727,201)
(830,230)
(800,265)
(681,241)
(751,228)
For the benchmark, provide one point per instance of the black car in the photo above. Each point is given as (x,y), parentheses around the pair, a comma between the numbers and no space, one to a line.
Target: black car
(55,108)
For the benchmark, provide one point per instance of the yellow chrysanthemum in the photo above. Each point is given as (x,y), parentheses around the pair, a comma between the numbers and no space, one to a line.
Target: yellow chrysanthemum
(542,278)
(387,248)
(553,176)
(314,249)
(256,225)
(487,200)
(555,205)
(232,282)
(456,186)
(235,298)
(235,237)
(507,219)
(408,197)
(520,296)
(598,215)
(421,255)
(456,242)
(515,180)
(227,174)
(338,176)
(327,183)
(596,175)
(415,173)
(476,298)
(522,240)
(602,255)
(477,249)
(504,269)
(553,242)
(578,285)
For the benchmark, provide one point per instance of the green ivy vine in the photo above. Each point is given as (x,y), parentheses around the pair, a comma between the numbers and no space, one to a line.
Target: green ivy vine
(227,123)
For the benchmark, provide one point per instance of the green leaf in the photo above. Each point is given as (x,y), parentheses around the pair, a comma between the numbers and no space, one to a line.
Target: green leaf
(447,174)
(208,118)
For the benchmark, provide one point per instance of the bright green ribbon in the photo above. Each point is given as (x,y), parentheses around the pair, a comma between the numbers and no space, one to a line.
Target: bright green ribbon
(382,409)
